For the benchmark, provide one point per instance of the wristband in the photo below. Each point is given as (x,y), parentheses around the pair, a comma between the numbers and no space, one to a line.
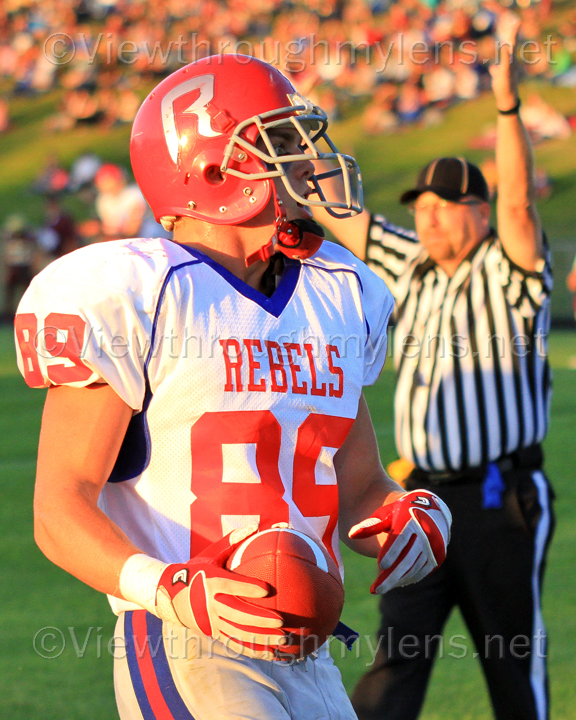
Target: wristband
(513,110)
(139,580)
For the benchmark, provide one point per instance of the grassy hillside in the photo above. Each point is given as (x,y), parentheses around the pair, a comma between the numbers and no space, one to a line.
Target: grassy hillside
(389,163)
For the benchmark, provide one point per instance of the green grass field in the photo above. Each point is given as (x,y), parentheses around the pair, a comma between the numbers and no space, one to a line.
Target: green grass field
(77,684)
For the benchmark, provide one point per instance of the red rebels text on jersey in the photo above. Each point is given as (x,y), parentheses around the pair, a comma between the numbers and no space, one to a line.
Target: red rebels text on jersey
(281,371)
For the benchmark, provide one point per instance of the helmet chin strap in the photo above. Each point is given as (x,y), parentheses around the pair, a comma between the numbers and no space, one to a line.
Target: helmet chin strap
(297,239)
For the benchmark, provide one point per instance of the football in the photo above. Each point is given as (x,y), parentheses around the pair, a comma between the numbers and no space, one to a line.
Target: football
(307,588)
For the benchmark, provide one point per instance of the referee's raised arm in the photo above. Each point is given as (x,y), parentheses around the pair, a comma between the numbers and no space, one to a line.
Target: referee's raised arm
(519,227)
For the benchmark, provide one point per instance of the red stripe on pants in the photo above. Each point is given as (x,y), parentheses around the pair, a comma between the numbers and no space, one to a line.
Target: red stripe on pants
(142,650)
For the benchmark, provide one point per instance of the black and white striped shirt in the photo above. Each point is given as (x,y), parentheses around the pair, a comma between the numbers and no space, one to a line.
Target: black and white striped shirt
(470,350)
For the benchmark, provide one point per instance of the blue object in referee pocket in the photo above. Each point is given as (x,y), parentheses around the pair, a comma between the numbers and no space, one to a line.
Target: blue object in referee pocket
(492,488)
(345,634)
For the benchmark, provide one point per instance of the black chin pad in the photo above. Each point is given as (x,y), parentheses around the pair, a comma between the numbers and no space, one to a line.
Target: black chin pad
(310,226)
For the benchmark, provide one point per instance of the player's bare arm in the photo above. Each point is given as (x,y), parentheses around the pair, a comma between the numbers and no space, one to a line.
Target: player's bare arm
(362,481)
(408,532)
(519,225)
(82,431)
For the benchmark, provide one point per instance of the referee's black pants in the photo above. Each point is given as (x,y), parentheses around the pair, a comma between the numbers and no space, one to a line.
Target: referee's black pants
(493,573)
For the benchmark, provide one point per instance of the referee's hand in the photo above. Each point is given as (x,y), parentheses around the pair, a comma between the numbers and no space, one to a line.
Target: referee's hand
(504,71)
(416,532)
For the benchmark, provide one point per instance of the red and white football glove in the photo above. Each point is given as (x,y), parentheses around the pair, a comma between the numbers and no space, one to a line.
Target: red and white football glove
(206,597)
(417,526)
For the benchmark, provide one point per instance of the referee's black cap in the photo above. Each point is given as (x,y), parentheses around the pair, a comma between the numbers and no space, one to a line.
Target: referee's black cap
(451,178)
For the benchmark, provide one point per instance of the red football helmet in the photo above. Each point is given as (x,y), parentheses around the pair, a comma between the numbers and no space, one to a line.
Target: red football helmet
(193,145)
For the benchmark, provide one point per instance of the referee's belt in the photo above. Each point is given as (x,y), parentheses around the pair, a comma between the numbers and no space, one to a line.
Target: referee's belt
(531,457)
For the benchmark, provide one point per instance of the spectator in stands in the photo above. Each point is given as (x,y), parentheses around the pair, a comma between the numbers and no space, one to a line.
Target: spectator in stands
(542,121)
(128,104)
(4,115)
(571,283)
(410,102)
(466,79)
(18,257)
(439,84)
(83,172)
(379,116)
(121,209)
(62,226)
(52,179)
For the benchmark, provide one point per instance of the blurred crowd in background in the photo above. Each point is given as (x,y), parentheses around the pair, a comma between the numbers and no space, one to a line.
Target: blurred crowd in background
(117,209)
(405,60)
(398,62)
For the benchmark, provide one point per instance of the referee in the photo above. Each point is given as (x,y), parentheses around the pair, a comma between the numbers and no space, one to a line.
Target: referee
(471,409)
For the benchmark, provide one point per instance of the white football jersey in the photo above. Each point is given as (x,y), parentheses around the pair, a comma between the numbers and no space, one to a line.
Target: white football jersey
(240,401)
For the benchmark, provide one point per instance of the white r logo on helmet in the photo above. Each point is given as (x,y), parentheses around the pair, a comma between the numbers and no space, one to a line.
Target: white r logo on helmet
(204,83)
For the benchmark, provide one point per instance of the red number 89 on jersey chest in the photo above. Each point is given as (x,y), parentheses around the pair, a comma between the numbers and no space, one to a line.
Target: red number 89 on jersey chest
(266,499)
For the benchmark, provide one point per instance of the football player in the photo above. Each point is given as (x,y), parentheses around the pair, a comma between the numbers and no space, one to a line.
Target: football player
(206,387)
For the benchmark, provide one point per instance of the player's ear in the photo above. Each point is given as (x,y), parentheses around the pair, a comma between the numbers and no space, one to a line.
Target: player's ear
(485,210)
